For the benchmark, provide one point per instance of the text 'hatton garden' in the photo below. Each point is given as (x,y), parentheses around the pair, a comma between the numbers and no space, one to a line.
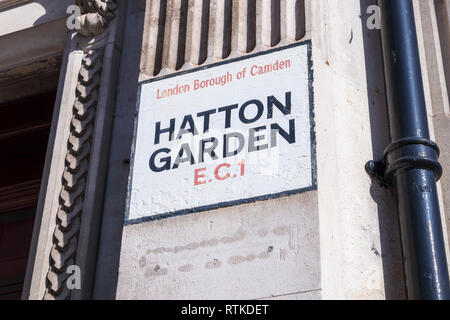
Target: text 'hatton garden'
(224,133)
(233,143)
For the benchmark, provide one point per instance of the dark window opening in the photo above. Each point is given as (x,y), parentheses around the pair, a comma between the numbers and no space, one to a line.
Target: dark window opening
(24,131)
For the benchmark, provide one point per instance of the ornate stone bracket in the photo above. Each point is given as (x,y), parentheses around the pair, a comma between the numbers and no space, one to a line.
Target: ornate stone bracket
(63,254)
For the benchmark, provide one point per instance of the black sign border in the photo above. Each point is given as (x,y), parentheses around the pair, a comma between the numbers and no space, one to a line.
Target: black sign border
(225,204)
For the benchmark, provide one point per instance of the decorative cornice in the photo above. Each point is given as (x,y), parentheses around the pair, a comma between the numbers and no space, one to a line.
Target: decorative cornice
(63,253)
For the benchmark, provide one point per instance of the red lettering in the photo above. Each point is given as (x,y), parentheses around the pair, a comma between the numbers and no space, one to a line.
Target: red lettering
(216,172)
(196,85)
(242,164)
(197,176)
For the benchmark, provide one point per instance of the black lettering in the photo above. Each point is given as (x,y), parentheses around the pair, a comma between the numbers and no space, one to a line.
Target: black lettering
(253,139)
(192,129)
(227,111)
(285,109)
(260,107)
(158,131)
(226,142)
(275,128)
(185,149)
(209,150)
(206,116)
(165,161)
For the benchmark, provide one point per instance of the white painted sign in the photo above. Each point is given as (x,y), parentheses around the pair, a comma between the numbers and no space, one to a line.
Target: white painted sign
(233,132)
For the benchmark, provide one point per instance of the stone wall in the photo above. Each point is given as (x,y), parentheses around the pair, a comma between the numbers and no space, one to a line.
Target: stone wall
(340,241)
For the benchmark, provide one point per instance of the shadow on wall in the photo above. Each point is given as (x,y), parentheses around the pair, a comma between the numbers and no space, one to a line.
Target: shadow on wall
(391,253)
(51,10)
(109,247)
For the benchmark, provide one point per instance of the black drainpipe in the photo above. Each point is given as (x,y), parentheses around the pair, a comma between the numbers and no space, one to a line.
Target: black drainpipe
(410,163)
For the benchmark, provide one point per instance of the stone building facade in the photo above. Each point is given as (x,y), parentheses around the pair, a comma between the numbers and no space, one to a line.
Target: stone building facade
(70,73)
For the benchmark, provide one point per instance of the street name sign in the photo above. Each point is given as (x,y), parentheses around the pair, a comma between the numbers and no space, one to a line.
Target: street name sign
(233,132)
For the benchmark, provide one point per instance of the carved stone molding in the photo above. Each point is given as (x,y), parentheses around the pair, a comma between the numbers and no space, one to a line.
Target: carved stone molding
(95,17)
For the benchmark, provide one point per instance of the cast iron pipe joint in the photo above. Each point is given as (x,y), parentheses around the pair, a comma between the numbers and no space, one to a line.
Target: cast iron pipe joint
(404,154)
